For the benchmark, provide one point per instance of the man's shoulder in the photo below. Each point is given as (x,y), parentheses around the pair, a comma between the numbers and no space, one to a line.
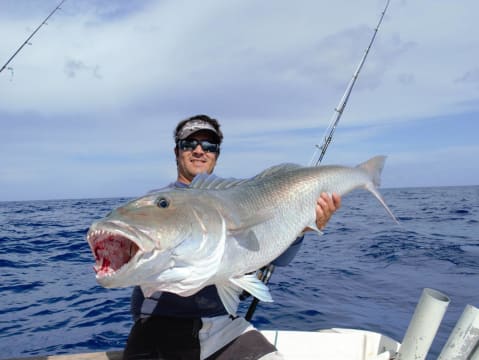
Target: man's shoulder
(172,185)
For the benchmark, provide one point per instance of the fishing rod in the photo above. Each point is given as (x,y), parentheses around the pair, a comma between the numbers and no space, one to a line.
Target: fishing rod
(266,272)
(338,111)
(31,36)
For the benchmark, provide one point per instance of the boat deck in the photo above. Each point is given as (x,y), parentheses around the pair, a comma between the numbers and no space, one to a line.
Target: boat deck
(108,355)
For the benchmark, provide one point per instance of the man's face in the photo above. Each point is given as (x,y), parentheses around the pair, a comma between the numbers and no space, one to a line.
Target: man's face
(196,161)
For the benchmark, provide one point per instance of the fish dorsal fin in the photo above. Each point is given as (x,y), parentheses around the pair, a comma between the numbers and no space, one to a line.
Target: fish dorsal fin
(213,182)
(276,169)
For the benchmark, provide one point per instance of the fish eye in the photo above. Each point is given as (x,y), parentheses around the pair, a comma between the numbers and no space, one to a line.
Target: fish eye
(162,202)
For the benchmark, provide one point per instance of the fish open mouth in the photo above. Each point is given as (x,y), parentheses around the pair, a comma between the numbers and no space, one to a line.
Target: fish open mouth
(111,251)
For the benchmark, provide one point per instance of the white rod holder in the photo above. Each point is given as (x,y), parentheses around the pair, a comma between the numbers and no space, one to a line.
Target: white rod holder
(464,338)
(474,355)
(424,325)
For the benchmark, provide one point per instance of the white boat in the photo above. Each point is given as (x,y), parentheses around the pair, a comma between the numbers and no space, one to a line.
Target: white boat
(331,344)
(355,344)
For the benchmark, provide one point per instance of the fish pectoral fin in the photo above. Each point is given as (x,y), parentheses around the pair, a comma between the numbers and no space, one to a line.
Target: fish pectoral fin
(238,224)
(247,240)
(229,293)
(254,286)
(242,229)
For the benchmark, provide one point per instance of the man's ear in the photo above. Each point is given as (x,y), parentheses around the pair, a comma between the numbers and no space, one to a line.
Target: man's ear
(176,154)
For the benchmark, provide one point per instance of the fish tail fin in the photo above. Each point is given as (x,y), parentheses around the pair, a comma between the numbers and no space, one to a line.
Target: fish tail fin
(374,167)
(380,198)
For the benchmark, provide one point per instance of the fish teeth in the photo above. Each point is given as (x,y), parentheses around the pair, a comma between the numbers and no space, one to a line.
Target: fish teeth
(97,233)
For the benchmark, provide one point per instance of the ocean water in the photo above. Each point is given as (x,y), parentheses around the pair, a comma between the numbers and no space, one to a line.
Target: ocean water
(365,272)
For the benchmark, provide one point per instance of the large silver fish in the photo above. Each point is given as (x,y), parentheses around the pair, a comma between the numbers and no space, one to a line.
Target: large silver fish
(217,231)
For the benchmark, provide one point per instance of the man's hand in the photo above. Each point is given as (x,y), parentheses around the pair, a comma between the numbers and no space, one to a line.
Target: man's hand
(326,206)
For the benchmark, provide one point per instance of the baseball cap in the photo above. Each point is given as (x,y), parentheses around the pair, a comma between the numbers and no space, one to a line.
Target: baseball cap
(193,126)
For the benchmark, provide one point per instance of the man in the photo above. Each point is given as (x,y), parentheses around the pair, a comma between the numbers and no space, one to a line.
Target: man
(168,326)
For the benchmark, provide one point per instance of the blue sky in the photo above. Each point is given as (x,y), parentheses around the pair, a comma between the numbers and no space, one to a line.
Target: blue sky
(88,109)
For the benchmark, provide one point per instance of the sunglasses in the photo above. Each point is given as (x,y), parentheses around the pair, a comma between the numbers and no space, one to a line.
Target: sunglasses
(190,145)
